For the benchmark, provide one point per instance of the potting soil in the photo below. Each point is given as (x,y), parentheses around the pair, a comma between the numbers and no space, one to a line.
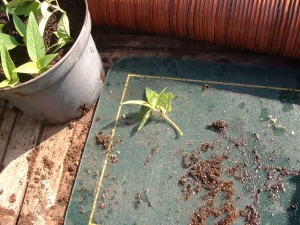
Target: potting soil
(237,162)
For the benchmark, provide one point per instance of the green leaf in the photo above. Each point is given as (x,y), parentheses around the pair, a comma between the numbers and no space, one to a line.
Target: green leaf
(144,120)
(151,96)
(15,3)
(9,41)
(138,102)
(4,83)
(1,27)
(19,25)
(164,102)
(34,40)
(23,7)
(63,27)
(8,83)
(44,62)
(12,6)
(30,68)
(148,93)
(8,66)
(46,14)
(26,8)
(63,33)
(59,44)
(162,92)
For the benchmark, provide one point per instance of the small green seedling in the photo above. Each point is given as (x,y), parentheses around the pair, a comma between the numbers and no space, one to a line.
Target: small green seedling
(157,103)
(32,34)
(36,50)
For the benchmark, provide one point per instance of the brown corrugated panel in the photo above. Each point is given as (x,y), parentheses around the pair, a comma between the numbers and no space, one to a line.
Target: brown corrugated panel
(264,26)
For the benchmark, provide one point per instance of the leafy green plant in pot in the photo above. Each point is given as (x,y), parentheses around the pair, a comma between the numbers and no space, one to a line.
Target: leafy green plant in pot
(66,73)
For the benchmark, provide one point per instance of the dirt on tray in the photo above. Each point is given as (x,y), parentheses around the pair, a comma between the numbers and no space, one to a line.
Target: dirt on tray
(103,140)
(208,176)
(220,126)
(205,86)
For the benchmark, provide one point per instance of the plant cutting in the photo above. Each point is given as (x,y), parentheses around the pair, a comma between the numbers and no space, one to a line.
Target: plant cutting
(158,103)
(60,76)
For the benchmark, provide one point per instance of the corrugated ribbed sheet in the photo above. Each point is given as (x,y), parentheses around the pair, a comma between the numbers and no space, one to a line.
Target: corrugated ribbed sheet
(264,26)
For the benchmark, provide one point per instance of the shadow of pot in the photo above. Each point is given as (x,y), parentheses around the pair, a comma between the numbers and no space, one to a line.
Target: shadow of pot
(66,90)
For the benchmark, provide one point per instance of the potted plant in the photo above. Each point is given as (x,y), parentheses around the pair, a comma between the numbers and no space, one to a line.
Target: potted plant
(63,83)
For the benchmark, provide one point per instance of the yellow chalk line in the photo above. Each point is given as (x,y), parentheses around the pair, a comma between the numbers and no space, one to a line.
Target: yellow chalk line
(107,154)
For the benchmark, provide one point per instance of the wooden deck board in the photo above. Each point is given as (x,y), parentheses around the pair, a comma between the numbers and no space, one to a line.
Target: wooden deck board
(6,127)
(15,167)
(47,166)
(25,144)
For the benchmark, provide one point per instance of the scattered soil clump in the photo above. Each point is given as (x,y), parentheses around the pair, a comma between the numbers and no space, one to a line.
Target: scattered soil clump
(83,108)
(12,198)
(103,139)
(206,146)
(205,86)
(219,126)
(114,158)
(152,152)
(251,216)
(209,175)
(48,164)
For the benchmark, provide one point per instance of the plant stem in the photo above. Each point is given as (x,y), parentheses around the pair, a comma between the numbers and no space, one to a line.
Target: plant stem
(56,6)
(172,123)
(57,3)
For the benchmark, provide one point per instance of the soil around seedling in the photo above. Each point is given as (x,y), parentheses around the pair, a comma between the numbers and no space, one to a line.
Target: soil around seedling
(76,14)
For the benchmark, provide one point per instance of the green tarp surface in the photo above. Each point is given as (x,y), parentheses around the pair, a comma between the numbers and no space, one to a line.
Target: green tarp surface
(237,163)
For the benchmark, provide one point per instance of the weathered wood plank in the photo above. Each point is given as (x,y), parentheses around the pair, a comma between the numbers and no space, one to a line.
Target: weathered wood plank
(15,168)
(46,172)
(7,119)
(55,214)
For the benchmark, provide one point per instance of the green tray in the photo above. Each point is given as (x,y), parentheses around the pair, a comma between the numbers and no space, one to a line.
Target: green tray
(248,174)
